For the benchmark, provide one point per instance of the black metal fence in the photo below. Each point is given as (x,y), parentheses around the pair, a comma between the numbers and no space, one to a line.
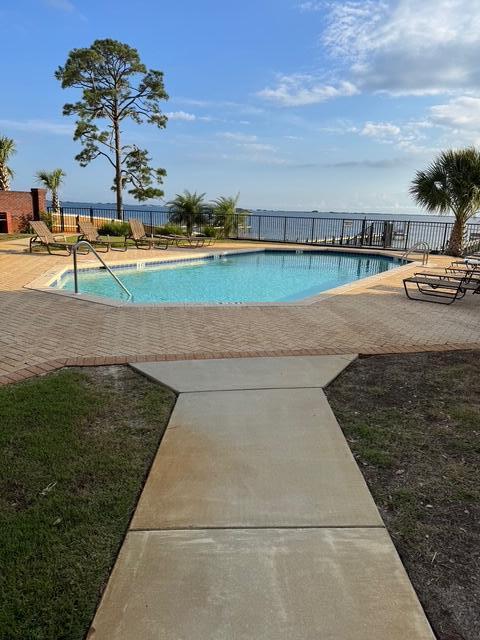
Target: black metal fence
(315,230)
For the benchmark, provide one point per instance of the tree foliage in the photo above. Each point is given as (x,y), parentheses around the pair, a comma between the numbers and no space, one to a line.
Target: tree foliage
(52,181)
(451,184)
(227,215)
(188,209)
(116,86)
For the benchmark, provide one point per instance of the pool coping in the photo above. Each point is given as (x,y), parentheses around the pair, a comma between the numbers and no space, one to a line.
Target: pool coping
(43,283)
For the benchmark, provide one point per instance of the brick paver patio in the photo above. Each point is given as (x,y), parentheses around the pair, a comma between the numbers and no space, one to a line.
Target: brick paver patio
(41,331)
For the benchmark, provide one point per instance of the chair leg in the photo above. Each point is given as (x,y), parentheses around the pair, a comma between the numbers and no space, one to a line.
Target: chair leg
(428,296)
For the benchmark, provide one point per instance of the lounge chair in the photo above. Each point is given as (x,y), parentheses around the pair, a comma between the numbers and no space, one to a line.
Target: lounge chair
(463,267)
(470,263)
(208,241)
(90,234)
(192,242)
(144,241)
(195,241)
(446,287)
(45,238)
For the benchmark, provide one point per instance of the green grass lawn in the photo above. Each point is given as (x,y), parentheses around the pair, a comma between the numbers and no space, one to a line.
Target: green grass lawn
(4,237)
(413,424)
(76,446)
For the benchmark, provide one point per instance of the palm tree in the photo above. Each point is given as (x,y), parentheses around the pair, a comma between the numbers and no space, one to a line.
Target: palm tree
(188,209)
(451,184)
(226,215)
(52,181)
(7,149)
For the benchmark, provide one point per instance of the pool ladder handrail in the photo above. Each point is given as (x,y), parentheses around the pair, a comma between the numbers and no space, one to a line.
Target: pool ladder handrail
(424,246)
(97,255)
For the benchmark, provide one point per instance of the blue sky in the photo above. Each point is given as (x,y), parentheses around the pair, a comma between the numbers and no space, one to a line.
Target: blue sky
(295,104)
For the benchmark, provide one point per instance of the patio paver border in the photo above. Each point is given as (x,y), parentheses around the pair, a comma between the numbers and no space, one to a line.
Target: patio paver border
(97,361)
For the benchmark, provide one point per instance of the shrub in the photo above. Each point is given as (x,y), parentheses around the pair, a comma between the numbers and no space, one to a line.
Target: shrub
(210,232)
(47,217)
(23,224)
(170,230)
(114,229)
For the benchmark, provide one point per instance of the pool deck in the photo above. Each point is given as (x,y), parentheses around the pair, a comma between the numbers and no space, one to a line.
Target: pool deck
(45,331)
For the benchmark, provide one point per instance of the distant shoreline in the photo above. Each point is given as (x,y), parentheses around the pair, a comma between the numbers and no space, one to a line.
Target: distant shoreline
(281,212)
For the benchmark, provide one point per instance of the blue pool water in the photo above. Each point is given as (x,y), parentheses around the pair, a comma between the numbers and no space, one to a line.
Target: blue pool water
(266,276)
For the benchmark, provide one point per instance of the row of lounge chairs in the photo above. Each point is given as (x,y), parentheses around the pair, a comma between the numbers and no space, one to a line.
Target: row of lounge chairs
(137,234)
(460,278)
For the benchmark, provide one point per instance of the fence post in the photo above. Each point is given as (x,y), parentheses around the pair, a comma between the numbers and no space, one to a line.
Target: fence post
(406,235)
(362,240)
(313,229)
(444,242)
(91,215)
(284,228)
(151,221)
(343,228)
(259,226)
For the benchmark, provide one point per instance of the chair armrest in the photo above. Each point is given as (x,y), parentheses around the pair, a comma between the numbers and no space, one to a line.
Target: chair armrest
(429,274)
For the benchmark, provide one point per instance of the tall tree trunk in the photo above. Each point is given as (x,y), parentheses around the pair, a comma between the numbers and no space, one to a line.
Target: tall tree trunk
(55,201)
(4,178)
(118,170)
(455,244)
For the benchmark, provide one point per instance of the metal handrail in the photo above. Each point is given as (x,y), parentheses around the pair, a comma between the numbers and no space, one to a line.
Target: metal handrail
(419,245)
(75,267)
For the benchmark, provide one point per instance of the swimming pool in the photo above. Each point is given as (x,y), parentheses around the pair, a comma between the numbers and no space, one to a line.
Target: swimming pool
(257,276)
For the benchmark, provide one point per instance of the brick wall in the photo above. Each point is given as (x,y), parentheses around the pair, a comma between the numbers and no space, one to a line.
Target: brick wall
(18,206)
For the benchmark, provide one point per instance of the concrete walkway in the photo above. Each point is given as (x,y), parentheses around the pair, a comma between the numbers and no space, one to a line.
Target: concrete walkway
(255,522)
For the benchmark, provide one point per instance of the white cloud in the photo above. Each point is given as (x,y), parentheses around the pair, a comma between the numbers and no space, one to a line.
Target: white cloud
(237,107)
(248,148)
(300,89)
(311,6)
(237,137)
(258,146)
(382,130)
(185,116)
(38,126)
(406,46)
(460,113)
(409,136)
(181,115)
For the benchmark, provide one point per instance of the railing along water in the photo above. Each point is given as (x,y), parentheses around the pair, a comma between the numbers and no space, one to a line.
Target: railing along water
(355,231)
(84,243)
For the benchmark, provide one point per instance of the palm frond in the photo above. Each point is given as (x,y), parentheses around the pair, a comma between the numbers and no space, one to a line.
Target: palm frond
(52,180)
(187,209)
(450,184)
(226,215)
(7,149)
